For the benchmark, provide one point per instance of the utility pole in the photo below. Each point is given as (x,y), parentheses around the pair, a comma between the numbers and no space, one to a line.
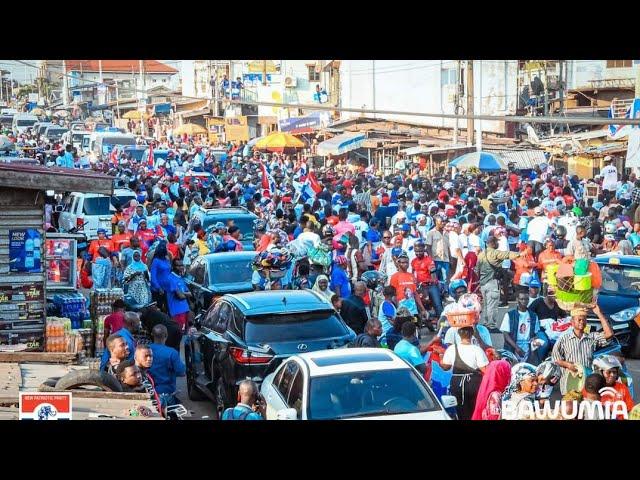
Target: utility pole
(142,94)
(65,84)
(561,93)
(637,94)
(478,100)
(264,72)
(470,126)
(373,78)
(457,101)
(546,95)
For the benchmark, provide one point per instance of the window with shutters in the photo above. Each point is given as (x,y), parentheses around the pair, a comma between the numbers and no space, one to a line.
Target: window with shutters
(619,63)
(313,75)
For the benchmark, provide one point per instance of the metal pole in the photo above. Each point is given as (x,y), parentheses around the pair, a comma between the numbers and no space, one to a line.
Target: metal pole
(373,78)
(470,128)
(479,124)
(65,84)
(457,102)
(561,94)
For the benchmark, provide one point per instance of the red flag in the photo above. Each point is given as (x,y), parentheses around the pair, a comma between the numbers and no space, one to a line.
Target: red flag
(267,181)
(114,156)
(313,181)
(150,161)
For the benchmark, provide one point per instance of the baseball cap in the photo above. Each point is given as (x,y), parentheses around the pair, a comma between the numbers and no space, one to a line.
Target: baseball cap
(101,230)
(385,200)
(405,227)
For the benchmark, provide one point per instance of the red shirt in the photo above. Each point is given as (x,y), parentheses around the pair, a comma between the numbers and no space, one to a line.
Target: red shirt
(120,240)
(173,248)
(423,268)
(113,323)
(401,281)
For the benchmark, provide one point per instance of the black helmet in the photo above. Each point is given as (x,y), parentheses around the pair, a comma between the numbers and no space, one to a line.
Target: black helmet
(373,279)
(561,231)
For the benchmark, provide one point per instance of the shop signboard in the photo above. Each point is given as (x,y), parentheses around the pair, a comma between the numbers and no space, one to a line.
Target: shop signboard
(24,250)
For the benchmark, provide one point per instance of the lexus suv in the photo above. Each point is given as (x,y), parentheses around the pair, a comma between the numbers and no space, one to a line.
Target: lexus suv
(247,336)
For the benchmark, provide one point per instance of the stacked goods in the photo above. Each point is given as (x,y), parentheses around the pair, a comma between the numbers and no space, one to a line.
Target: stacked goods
(272,263)
(101,307)
(466,311)
(72,306)
(55,334)
(575,280)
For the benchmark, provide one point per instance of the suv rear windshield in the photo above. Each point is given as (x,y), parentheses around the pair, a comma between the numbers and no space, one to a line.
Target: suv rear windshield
(56,132)
(118,141)
(122,200)
(25,123)
(293,328)
(97,206)
(245,224)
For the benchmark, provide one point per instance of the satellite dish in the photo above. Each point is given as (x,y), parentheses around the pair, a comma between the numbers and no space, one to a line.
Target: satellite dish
(533,136)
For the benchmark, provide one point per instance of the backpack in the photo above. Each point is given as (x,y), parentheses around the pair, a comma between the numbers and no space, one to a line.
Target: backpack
(243,415)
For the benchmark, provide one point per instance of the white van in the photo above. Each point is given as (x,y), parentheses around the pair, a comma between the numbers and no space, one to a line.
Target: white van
(102,143)
(22,122)
(94,210)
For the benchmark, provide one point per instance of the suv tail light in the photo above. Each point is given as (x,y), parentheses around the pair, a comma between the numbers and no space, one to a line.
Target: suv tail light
(79,222)
(246,357)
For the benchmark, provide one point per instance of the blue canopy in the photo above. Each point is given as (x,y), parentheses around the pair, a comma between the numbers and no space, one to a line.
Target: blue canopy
(485,162)
(341,143)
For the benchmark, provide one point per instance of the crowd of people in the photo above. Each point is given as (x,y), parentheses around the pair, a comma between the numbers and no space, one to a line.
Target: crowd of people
(393,254)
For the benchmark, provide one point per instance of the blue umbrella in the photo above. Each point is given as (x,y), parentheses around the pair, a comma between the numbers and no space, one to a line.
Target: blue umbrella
(485,162)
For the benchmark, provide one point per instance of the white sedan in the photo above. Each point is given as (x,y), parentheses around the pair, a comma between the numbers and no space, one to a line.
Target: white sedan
(371,383)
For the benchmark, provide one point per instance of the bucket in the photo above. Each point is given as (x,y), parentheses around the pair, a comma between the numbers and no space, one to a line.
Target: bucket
(581,267)
(551,271)
(582,282)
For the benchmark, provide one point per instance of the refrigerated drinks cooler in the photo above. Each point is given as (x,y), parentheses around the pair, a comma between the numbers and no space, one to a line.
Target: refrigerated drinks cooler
(61,267)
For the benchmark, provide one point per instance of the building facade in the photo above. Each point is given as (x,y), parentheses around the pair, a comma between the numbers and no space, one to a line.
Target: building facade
(430,86)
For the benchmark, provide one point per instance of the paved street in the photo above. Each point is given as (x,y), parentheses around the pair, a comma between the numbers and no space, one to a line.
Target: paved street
(205,410)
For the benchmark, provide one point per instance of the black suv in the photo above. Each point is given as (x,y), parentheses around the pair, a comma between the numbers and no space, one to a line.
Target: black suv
(248,335)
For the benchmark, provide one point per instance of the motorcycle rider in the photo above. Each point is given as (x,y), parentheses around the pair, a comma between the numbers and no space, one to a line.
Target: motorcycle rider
(424,271)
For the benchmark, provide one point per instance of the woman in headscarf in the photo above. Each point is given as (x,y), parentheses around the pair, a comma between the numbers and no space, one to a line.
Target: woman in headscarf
(136,280)
(488,402)
(521,390)
(322,286)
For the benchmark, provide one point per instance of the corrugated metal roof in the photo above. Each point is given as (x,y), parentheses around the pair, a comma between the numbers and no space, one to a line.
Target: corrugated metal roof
(39,177)
(522,159)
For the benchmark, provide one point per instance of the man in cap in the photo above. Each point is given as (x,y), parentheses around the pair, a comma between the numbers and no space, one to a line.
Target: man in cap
(101,241)
(576,347)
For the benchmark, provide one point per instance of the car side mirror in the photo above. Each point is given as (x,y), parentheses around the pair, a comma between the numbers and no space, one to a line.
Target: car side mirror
(449,401)
(288,414)
(59,208)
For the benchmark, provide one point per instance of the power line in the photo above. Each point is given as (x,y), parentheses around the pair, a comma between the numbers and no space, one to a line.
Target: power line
(502,118)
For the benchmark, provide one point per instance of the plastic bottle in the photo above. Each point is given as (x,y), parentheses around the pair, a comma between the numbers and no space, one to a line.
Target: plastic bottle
(28,247)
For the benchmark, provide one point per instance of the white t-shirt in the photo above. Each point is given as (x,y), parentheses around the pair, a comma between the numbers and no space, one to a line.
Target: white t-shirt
(309,237)
(454,244)
(555,328)
(361,228)
(524,325)
(472,355)
(453,336)
(610,177)
(538,228)
(503,246)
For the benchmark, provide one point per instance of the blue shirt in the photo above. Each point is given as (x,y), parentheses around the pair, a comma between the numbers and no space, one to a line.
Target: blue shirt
(166,367)
(408,352)
(340,282)
(238,412)
(176,305)
(68,160)
(124,333)
(160,272)
(153,221)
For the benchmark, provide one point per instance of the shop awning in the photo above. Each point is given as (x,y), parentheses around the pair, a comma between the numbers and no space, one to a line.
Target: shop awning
(341,143)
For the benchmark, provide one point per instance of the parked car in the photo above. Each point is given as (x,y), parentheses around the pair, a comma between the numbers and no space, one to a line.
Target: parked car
(371,383)
(136,151)
(213,275)
(94,210)
(41,127)
(6,120)
(248,335)
(619,299)
(23,122)
(53,133)
(241,217)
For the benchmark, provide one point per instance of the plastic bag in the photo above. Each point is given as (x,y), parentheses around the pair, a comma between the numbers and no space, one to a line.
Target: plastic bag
(596,275)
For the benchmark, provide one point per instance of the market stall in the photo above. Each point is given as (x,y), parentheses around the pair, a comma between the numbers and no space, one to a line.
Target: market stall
(26,252)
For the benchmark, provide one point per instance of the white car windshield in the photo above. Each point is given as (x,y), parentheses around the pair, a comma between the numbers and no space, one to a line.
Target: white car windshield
(363,394)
